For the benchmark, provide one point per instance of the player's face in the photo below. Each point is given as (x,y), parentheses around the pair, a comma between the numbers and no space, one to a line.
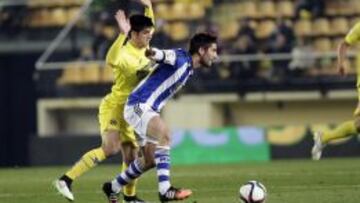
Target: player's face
(144,36)
(208,55)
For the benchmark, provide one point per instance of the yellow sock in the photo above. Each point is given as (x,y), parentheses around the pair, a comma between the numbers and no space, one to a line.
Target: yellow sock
(345,129)
(87,162)
(129,189)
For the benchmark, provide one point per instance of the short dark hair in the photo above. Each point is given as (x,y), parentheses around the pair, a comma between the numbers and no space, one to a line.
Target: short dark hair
(140,22)
(201,40)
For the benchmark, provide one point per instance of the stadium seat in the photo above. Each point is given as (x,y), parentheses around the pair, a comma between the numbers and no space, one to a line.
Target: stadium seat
(237,10)
(178,11)
(45,18)
(285,8)
(178,31)
(249,9)
(264,29)
(207,3)
(332,8)
(162,11)
(58,17)
(322,44)
(302,28)
(72,13)
(71,74)
(339,26)
(91,73)
(321,26)
(109,32)
(266,9)
(107,75)
(229,29)
(346,8)
(195,11)
(355,4)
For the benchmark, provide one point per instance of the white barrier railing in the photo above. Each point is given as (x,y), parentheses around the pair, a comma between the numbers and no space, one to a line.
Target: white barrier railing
(41,62)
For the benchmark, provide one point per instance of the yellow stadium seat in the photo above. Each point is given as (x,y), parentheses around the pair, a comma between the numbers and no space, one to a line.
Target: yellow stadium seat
(58,17)
(207,3)
(355,4)
(264,29)
(72,13)
(285,8)
(266,9)
(322,44)
(229,29)
(332,8)
(302,28)
(196,11)
(321,26)
(71,74)
(162,11)
(178,11)
(249,9)
(109,32)
(48,17)
(346,8)
(34,19)
(178,31)
(91,73)
(107,75)
(339,26)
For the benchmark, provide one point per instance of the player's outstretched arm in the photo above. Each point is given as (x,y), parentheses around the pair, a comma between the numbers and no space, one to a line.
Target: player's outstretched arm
(161,56)
(124,27)
(341,54)
(122,21)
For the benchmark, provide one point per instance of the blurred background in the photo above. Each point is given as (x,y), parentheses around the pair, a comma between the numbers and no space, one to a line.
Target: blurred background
(276,80)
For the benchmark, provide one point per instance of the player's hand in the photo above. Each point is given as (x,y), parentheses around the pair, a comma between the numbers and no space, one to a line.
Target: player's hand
(145,2)
(149,53)
(341,69)
(123,21)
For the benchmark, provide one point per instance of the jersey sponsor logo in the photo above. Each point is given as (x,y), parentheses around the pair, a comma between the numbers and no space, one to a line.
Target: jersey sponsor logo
(95,160)
(138,110)
(113,122)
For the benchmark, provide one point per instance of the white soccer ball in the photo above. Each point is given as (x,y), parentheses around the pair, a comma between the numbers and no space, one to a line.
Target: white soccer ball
(252,192)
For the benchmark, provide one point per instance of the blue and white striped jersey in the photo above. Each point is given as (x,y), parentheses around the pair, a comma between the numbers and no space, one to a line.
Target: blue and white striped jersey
(167,78)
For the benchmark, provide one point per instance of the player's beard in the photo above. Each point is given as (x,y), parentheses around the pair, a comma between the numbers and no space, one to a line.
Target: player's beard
(206,63)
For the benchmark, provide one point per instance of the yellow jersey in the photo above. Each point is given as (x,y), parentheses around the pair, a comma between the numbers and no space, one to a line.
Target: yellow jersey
(128,64)
(354,35)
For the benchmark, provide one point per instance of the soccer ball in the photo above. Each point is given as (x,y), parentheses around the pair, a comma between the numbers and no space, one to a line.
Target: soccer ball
(252,192)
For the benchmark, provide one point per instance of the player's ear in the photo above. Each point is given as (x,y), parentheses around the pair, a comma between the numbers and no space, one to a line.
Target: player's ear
(201,51)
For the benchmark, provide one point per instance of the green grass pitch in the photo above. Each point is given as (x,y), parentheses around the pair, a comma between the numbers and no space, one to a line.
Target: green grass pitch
(290,181)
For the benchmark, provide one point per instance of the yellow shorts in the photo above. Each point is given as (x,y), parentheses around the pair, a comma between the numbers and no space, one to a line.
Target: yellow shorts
(111,117)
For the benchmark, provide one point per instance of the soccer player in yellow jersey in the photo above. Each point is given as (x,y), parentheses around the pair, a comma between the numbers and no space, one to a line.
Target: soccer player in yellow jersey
(127,59)
(350,127)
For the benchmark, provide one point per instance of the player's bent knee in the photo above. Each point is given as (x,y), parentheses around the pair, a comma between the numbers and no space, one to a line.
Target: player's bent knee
(111,149)
(165,139)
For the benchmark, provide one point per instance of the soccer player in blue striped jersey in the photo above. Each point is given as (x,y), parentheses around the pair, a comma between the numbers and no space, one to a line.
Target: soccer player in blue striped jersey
(173,68)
